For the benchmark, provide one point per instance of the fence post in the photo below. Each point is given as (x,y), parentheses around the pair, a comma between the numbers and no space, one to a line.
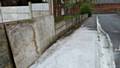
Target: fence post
(51,7)
(30,8)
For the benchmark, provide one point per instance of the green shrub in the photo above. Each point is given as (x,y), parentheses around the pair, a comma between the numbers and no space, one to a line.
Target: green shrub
(86,8)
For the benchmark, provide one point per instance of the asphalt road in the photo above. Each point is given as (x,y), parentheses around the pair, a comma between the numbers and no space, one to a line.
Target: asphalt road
(111,24)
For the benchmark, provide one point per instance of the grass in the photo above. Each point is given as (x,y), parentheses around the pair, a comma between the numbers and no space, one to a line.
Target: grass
(59,18)
(67,17)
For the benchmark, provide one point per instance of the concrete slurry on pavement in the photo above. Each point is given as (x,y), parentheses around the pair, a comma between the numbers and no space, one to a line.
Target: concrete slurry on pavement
(79,50)
(75,51)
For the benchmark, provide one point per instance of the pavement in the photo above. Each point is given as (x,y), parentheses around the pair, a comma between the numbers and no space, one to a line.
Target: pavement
(75,51)
(90,23)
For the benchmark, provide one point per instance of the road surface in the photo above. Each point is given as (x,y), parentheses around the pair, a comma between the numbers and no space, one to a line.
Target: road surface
(111,24)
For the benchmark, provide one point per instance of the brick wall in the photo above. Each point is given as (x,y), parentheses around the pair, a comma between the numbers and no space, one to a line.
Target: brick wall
(107,7)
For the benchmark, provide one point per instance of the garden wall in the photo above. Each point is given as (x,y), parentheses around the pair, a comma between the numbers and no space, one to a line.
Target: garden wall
(29,38)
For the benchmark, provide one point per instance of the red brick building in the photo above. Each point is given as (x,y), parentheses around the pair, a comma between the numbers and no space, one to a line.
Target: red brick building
(107,5)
